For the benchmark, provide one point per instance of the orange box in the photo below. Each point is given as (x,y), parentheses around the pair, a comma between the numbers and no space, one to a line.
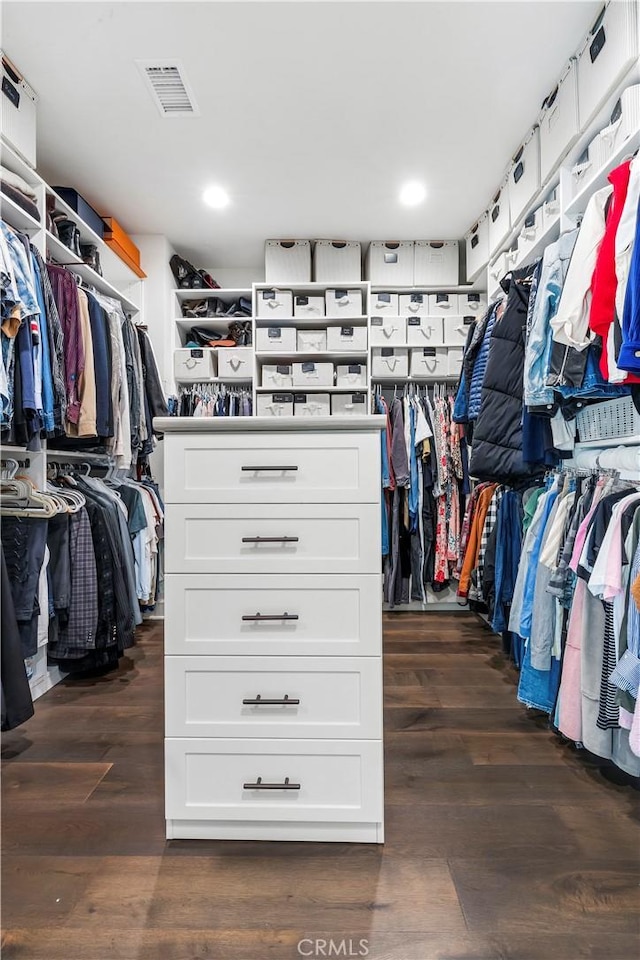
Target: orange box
(116,233)
(124,256)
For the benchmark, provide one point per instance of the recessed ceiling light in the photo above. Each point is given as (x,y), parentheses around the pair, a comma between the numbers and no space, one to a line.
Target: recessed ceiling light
(412,193)
(216,197)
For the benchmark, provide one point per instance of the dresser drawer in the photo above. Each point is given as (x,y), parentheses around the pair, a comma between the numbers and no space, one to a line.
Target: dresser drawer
(310,697)
(285,780)
(272,468)
(295,538)
(334,616)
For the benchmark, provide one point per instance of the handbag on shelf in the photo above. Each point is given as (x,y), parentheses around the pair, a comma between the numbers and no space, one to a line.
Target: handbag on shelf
(201,308)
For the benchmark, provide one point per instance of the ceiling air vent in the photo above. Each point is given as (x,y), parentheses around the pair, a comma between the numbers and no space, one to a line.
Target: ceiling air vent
(170,91)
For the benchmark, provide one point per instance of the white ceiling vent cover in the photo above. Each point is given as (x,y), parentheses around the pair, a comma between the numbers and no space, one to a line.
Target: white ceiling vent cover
(170,90)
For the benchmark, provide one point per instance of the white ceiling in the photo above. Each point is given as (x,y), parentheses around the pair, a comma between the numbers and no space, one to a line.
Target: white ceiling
(311,114)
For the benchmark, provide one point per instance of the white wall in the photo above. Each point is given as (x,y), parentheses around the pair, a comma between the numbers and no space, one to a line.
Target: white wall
(237,276)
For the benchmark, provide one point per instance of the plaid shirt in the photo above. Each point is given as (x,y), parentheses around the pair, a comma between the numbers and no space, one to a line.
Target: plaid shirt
(475,591)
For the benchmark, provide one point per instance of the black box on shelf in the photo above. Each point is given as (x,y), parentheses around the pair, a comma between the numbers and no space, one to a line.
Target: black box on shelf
(84,210)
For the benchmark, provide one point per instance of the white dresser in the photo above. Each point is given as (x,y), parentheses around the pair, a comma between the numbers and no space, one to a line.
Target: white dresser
(273,636)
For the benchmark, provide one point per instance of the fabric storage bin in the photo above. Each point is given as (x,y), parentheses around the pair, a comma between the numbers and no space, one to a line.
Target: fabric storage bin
(499,217)
(609,52)
(550,210)
(497,269)
(524,176)
(343,339)
(413,304)
(436,262)
(351,375)
(235,363)
(308,306)
(337,261)
(278,376)
(275,404)
(472,304)
(85,211)
(311,405)
(343,302)
(477,246)
(454,361)
(194,365)
(625,120)
(280,339)
(274,303)
(559,127)
(19,113)
(531,231)
(441,304)
(456,329)
(348,404)
(312,374)
(425,331)
(312,341)
(384,303)
(389,362)
(388,330)
(287,261)
(429,362)
(390,263)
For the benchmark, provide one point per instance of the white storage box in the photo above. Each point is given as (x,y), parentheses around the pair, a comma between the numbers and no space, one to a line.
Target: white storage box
(550,210)
(425,331)
(311,405)
(337,261)
(390,263)
(531,231)
(311,307)
(351,375)
(311,374)
(278,339)
(345,339)
(312,341)
(477,244)
(18,112)
(287,261)
(610,51)
(456,330)
(388,330)
(625,121)
(413,304)
(443,304)
(389,362)
(348,404)
(524,176)
(343,302)
(235,363)
(454,361)
(429,362)
(559,127)
(499,217)
(274,303)
(191,366)
(384,303)
(275,404)
(497,269)
(472,304)
(279,376)
(436,263)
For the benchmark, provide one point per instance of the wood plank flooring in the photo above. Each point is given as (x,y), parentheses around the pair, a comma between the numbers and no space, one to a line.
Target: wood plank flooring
(502,842)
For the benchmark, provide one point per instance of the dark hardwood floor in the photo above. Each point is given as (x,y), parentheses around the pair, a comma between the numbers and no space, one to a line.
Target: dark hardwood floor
(502,842)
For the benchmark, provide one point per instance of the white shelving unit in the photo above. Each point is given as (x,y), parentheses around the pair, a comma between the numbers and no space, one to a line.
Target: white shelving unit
(119,281)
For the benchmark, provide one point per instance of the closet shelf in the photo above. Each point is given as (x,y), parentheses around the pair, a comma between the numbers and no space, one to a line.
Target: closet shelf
(293,356)
(61,254)
(435,378)
(16,217)
(474,287)
(417,346)
(315,286)
(215,324)
(579,203)
(312,322)
(307,389)
(226,380)
(223,293)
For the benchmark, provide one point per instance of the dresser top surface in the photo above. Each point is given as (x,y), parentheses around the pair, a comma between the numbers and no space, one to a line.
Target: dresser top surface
(269,424)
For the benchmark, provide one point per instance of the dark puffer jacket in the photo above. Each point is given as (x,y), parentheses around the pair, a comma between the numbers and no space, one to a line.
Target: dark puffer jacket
(497,438)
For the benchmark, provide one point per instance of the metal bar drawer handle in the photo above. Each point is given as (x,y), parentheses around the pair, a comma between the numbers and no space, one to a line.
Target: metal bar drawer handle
(285,702)
(266,617)
(270,539)
(259,785)
(275,469)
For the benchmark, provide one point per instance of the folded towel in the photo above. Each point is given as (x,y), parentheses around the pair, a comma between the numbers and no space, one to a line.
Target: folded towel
(10,177)
(19,198)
